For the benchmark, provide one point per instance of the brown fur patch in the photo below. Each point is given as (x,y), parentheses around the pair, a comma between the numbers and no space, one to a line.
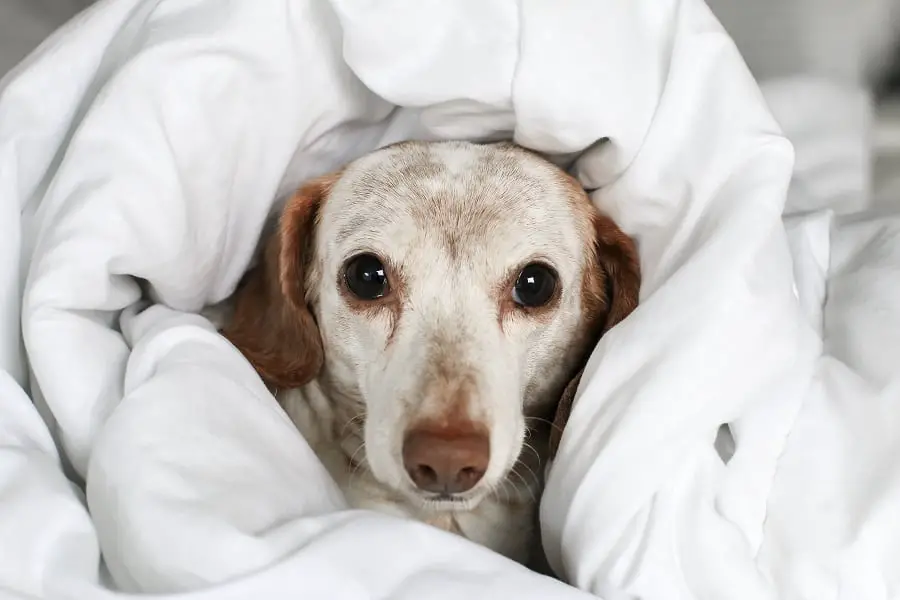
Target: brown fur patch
(272,324)
(563,410)
(610,288)
(447,396)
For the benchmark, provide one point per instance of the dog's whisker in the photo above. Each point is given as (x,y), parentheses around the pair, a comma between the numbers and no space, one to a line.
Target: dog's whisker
(527,487)
(545,421)
(494,489)
(531,472)
(352,460)
(528,446)
(511,490)
(512,493)
(359,417)
(356,467)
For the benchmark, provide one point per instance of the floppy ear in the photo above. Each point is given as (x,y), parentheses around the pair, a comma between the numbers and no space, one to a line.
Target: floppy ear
(617,258)
(612,283)
(271,323)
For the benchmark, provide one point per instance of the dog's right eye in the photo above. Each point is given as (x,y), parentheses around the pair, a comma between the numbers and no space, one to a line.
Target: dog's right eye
(535,286)
(366,277)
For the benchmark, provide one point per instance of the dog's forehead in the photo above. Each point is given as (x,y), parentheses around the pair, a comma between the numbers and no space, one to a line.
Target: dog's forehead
(464,197)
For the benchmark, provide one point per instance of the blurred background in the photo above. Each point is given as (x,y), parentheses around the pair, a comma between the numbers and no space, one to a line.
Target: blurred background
(829,69)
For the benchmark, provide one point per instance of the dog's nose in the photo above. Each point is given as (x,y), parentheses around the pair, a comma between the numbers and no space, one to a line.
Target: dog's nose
(446,462)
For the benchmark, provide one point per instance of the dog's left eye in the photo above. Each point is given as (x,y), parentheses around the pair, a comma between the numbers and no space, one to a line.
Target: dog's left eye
(366,278)
(535,286)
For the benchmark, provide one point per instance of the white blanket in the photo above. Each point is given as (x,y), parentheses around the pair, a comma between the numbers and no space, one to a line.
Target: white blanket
(141,149)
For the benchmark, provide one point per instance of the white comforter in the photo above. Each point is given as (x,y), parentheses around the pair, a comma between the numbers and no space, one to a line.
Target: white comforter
(142,147)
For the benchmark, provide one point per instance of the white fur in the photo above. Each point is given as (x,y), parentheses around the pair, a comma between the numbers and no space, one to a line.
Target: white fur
(450,306)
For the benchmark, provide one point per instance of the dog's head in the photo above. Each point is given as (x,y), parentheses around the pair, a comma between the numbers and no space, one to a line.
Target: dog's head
(441,294)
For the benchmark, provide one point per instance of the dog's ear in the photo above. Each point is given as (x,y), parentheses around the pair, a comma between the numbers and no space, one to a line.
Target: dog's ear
(272,324)
(612,282)
(619,284)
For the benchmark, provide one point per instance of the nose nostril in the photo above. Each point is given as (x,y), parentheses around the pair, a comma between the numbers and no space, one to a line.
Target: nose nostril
(424,476)
(468,477)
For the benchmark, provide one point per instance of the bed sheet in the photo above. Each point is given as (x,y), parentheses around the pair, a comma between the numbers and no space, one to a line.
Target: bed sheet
(172,128)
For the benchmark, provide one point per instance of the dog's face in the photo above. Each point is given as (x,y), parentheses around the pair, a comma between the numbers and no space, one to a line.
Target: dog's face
(441,294)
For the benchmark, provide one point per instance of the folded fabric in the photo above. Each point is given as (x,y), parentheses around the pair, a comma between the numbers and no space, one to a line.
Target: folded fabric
(141,150)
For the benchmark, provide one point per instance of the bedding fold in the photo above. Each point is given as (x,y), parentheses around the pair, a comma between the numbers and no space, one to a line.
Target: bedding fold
(136,194)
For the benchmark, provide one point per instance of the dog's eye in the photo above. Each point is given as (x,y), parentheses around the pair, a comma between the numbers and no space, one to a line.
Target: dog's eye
(366,278)
(535,286)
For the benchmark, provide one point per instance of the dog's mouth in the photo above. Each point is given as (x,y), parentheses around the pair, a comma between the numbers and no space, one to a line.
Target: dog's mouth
(447,502)
(446,497)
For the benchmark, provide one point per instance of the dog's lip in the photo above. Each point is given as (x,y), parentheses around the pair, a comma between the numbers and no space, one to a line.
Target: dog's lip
(443,501)
(444,497)
(457,504)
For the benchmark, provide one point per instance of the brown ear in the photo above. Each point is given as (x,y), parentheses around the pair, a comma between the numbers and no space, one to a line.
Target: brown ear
(272,324)
(612,284)
(617,258)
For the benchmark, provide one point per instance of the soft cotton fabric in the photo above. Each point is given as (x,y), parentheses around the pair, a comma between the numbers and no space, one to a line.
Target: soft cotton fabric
(144,145)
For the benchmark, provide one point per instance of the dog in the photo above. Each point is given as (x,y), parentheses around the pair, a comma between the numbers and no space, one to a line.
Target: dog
(419,314)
